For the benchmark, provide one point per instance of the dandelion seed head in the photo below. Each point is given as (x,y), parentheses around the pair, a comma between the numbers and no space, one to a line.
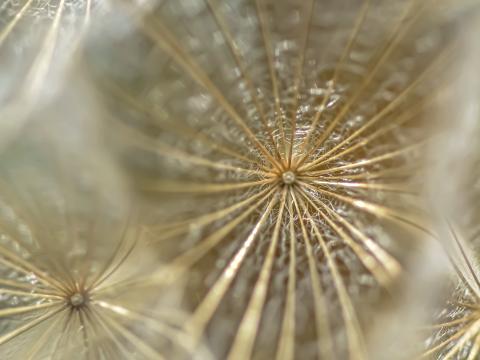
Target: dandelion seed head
(287,139)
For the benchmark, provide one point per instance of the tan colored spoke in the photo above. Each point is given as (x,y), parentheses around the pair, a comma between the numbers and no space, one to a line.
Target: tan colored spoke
(371,263)
(212,299)
(472,306)
(197,251)
(243,69)
(244,341)
(159,326)
(176,126)
(32,293)
(475,350)
(169,230)
(164,150)
(267,43)
(455,336)
(370,161)
(361,185)
(322,323)
(470,275)
(473,331)
(398,33)
(29,325)
(139,344)
(166,41)
(101,345)
(16,262)
(112,267)
(388,262)
(455,322)
(88,11)
(25,286)
(354,334)
(108,268)
(58,275)
(85,329)
(356,28)
(298,78)
(352,38)
(25,309)
(286,342)
(378,210)
(199,188)
(394,124)
(183,262)
(392,173)
(42,62)
(118,345)
(42,340)
(65,337)
(399,99)
(461,275)
(38,228)
(11,25)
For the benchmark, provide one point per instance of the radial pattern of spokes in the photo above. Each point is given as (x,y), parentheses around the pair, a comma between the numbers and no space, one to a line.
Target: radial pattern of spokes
(281,143)
(64,245)
(38,39)
(44,32)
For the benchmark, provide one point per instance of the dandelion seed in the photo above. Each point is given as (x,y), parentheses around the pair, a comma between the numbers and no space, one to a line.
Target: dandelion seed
(302,94)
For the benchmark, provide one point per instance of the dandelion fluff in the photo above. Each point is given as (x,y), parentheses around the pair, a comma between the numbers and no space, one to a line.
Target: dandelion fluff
(280,148)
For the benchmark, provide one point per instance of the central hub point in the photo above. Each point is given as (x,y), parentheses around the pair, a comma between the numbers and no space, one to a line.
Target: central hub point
(288,177)
(77,300)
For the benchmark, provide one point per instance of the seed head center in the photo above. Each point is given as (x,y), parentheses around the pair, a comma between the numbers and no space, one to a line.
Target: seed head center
(77,300)
(288,177)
